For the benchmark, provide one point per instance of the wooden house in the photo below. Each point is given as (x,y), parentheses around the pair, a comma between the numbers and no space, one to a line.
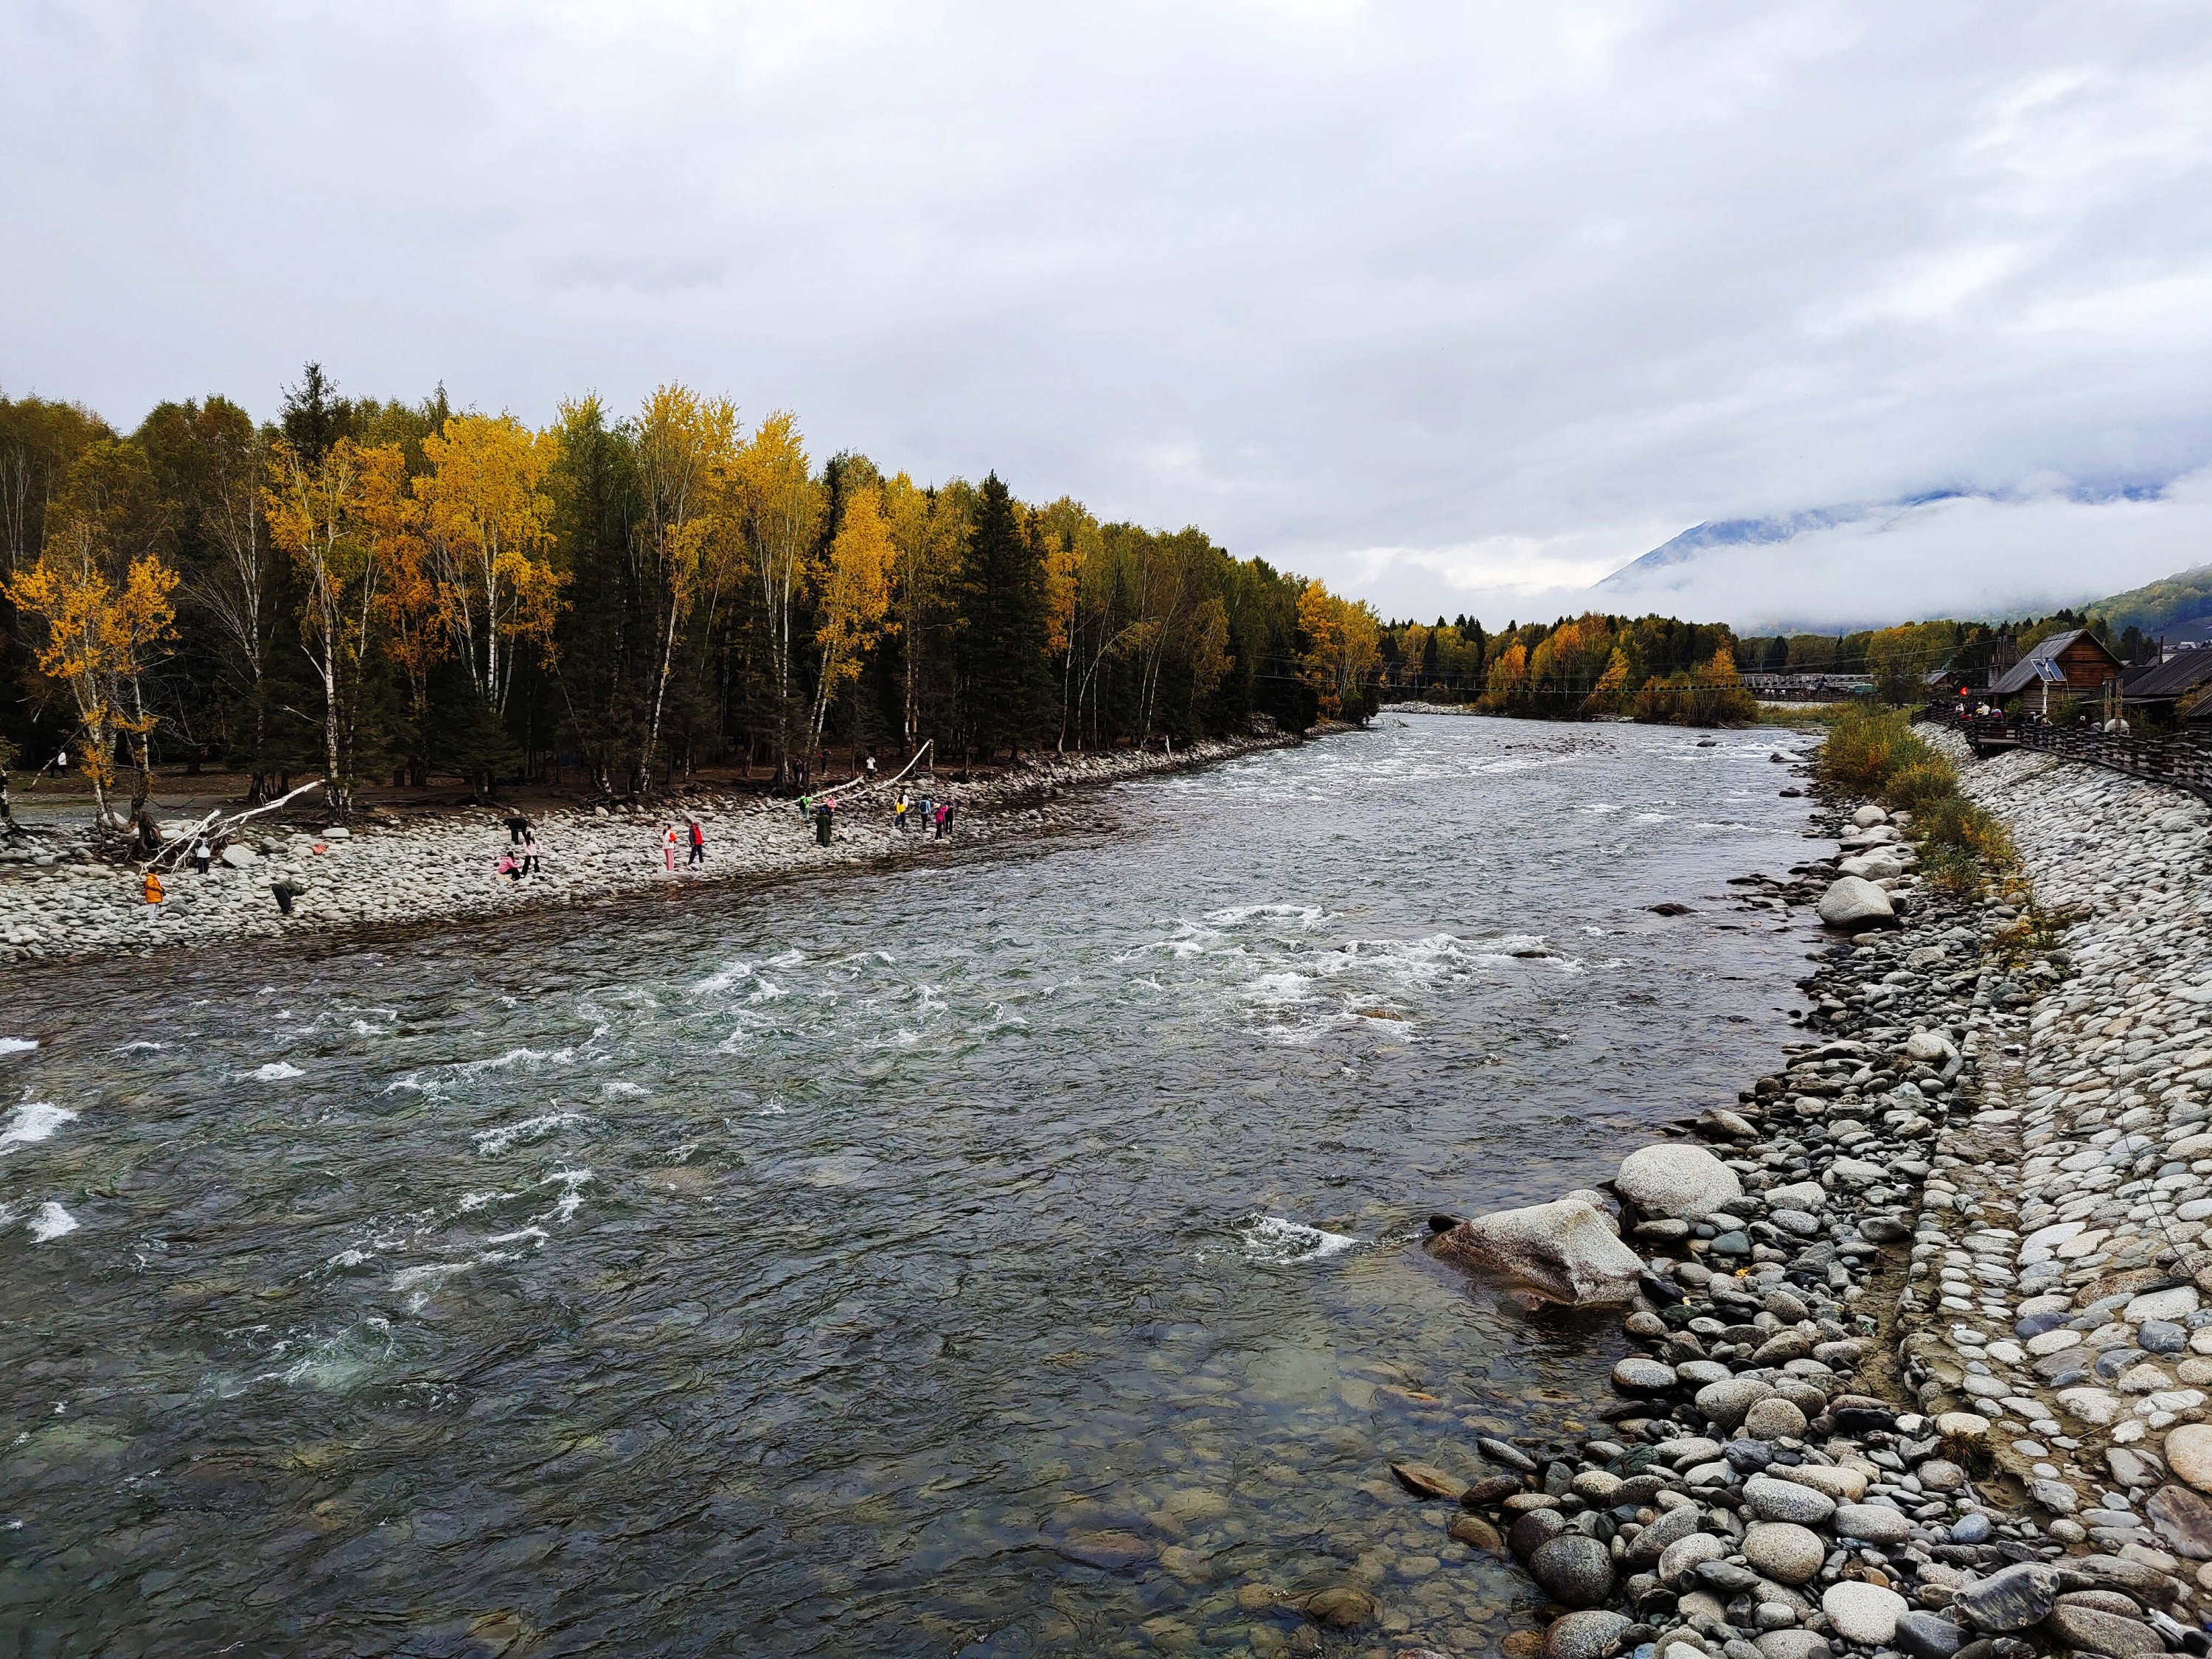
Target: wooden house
(2074,664)
(2180,685)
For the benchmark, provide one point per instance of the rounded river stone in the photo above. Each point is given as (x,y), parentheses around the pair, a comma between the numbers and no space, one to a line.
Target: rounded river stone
(1635,1375)
(1574,1570)
(1864,1613)
(1774,1419)
(1785,1551)
(1727,1403)
(1873,1523)
(1583,1635)
(1786,1500)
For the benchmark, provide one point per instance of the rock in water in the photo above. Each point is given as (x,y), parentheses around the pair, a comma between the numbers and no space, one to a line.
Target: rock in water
(1684,1183)
(1343,1607)
(1852,903)
(1566,1249)
(1574,1570)
(1583,1635)
(1424,1481)
(1476,1533)
(1864,1613)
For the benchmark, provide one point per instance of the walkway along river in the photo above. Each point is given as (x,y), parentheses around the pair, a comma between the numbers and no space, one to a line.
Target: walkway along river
(1017,1255)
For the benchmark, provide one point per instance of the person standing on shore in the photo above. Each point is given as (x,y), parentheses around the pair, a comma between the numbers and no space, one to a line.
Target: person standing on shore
(517,827)
(529,851)
(202,855)
(822,827)
(668,849)
(900,809)
(698,844)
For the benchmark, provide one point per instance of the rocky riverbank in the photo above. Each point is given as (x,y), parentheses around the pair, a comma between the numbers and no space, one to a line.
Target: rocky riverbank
(1920,1322)
(57,900)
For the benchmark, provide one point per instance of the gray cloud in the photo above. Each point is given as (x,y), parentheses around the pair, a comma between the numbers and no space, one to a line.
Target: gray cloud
(1457,307)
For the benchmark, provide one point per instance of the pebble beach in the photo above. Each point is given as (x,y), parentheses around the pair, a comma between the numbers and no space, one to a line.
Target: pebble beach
(58,900)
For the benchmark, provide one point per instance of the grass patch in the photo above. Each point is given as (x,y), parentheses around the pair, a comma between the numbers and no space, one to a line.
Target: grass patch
(1876,754)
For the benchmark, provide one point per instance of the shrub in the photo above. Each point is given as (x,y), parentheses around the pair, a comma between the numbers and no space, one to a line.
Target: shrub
(1957,823)
(1872,752)
(1918,785)
(1866,746)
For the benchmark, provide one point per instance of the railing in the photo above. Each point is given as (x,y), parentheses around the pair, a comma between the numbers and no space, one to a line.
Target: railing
(2181,761)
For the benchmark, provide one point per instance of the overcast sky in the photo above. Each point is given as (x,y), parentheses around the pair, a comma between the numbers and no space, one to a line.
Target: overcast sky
(1456,306)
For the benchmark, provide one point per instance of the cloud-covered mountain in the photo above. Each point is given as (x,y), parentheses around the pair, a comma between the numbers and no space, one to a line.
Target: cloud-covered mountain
(1943,554)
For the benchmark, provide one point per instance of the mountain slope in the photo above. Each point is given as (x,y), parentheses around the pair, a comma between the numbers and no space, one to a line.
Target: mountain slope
(2160,607)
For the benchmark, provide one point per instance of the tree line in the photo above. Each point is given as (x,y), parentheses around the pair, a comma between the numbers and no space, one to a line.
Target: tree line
(368,590)
(1648,668)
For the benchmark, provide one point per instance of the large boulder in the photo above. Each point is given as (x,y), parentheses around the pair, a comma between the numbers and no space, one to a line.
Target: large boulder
(1853,903)
(1682,1182)
(1566,1250)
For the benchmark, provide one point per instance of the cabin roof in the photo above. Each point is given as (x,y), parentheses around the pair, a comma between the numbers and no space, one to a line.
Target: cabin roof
(2184,671)
(2029,671)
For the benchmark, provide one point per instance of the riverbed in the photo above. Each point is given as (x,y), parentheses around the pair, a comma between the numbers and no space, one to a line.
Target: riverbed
(1013,1256)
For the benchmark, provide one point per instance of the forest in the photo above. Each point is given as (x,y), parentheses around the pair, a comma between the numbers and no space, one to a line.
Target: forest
(373,591)
(1650,668)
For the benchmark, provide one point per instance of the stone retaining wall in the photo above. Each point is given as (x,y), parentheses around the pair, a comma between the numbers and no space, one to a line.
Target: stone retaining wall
(2060,1271)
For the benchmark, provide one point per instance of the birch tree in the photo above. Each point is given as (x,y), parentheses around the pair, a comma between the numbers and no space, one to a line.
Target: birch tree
(783,508)
(315,514)
(685,455)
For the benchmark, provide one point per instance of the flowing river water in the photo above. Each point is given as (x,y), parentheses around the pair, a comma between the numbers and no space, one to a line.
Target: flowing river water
(1014,1256)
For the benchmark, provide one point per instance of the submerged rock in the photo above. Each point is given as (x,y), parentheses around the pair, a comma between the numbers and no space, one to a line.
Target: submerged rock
(1565,1250)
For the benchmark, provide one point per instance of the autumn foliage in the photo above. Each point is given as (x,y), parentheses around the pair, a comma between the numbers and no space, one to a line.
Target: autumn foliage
(369,592)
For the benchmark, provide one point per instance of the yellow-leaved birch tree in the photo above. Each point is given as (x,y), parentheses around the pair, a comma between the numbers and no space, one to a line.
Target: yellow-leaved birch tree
(317,514)
(685,453)
(782,511)
(852,595)
(487,530)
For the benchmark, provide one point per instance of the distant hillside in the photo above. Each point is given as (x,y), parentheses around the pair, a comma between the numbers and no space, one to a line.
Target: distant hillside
(2170,606)
(1727,532)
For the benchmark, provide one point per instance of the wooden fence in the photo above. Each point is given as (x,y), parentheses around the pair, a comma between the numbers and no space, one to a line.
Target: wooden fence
(2181,760)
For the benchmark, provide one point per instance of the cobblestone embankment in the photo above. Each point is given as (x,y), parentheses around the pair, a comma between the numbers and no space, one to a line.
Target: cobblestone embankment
(56,902)
(1920,1326)
(2061,1263)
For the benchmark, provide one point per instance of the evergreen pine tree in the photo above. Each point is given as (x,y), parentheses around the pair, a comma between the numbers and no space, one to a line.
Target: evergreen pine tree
(1005,685)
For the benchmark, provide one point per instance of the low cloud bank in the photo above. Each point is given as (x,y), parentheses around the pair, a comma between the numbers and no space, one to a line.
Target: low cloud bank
(1968,556)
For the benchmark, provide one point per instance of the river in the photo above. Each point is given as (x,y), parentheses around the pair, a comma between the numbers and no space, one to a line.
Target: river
(1012,1256)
